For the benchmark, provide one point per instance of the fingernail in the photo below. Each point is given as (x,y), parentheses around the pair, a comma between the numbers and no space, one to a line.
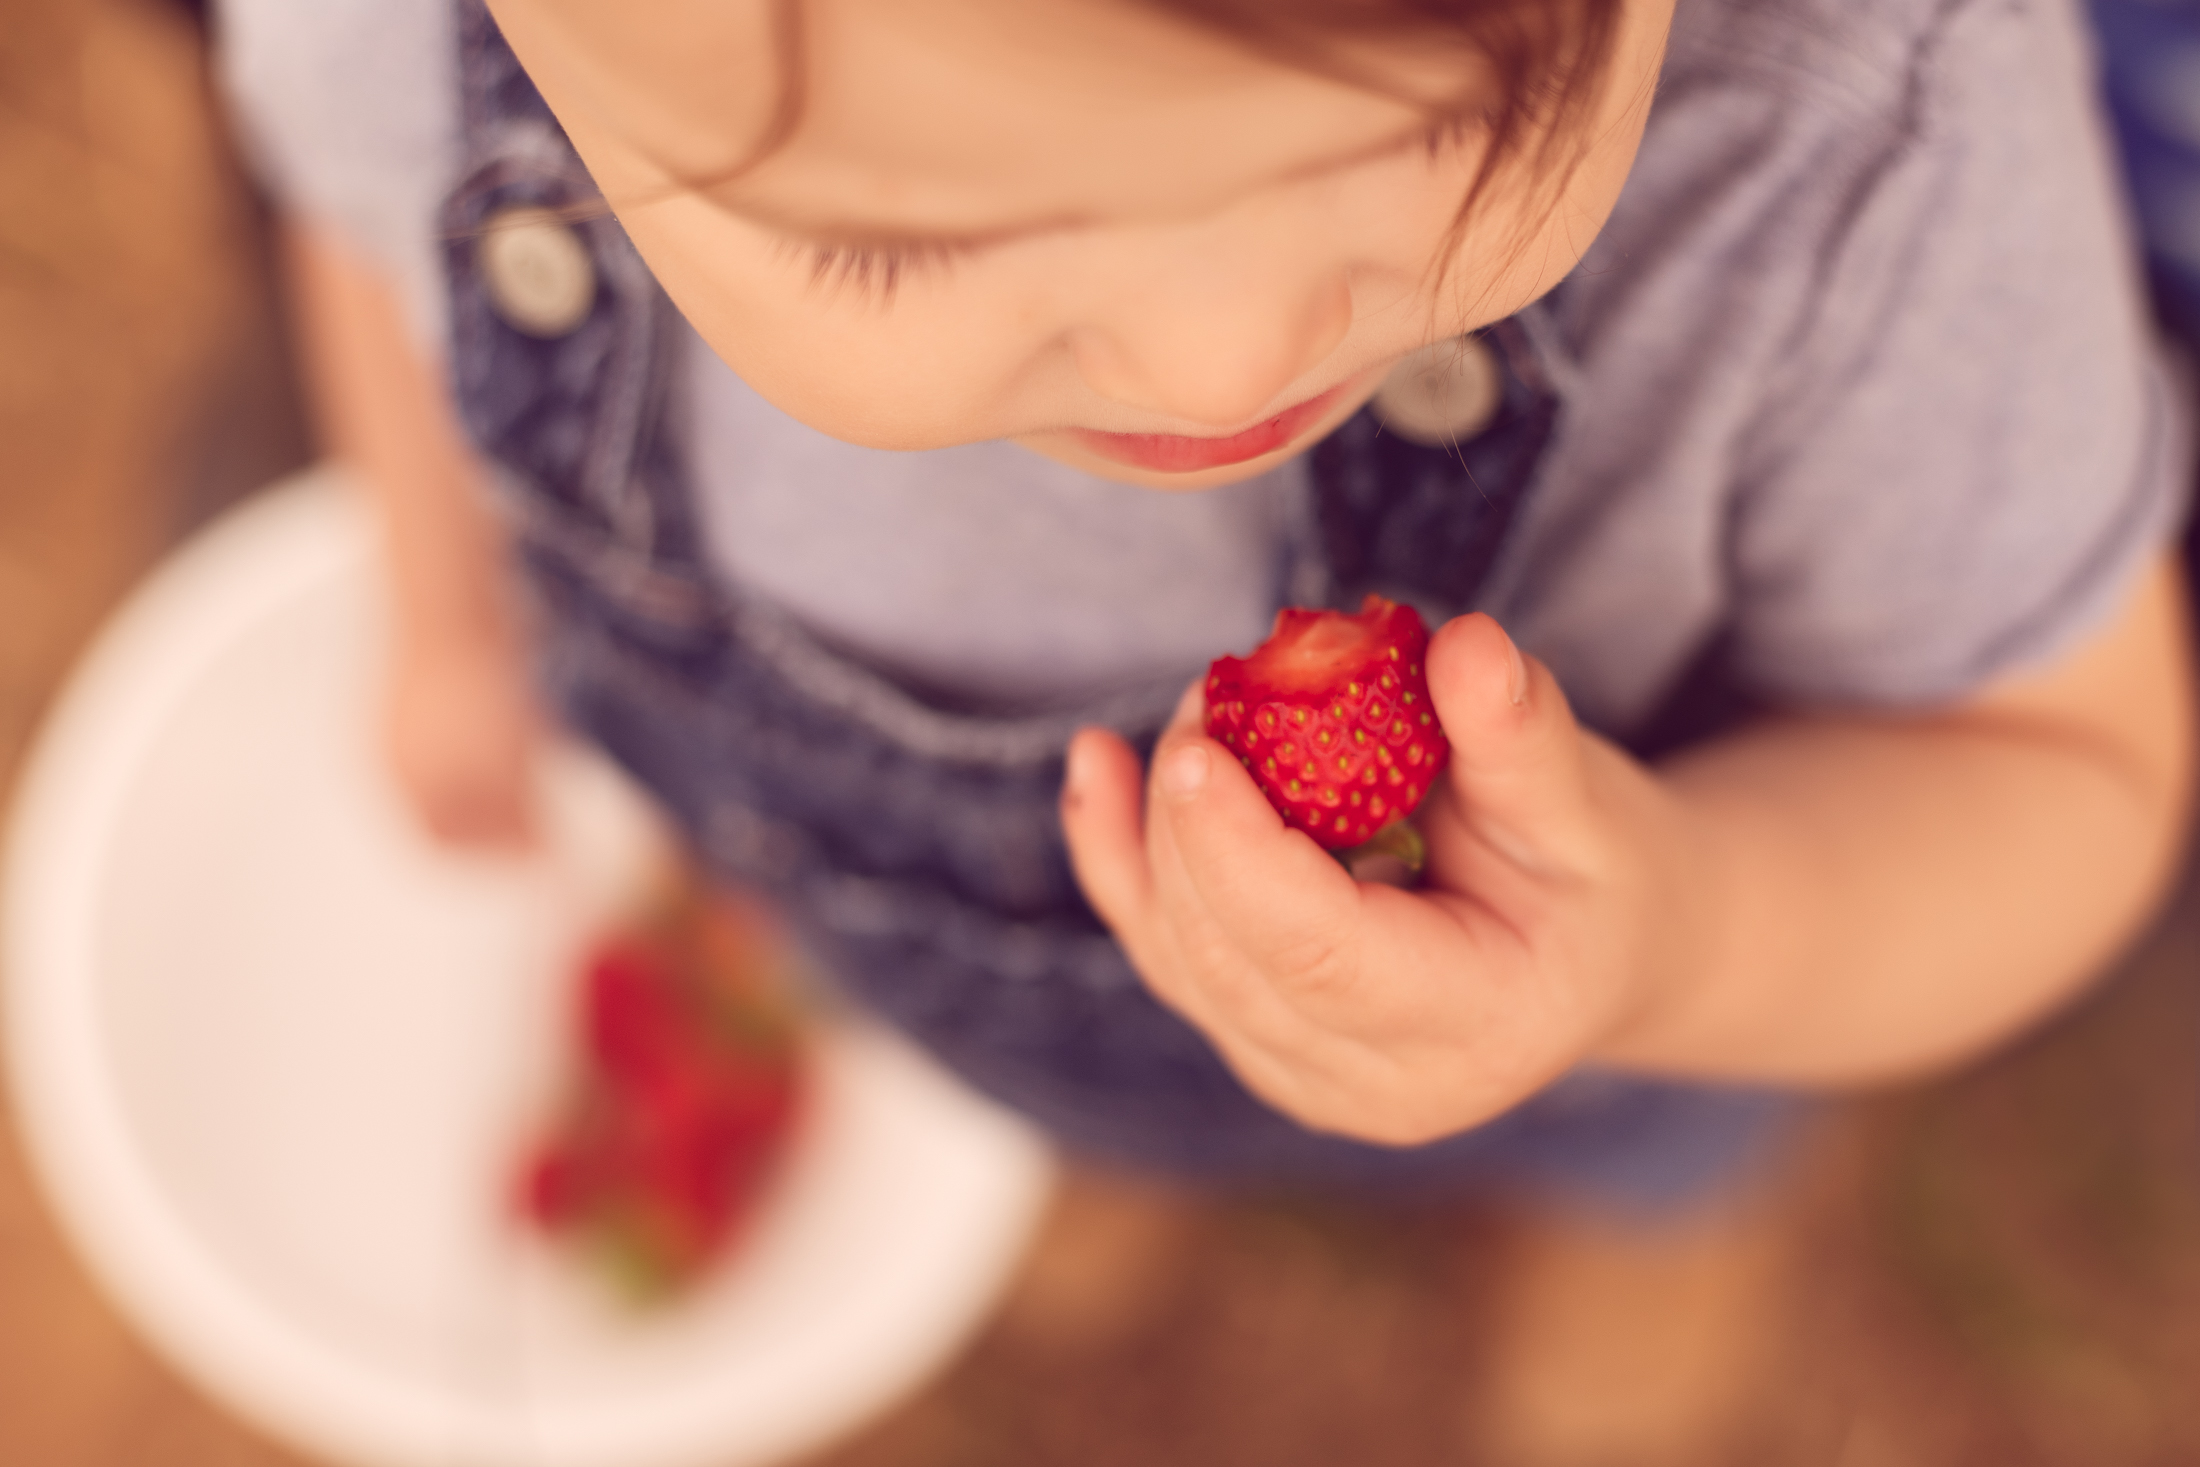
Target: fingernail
(1184,772)
(1517,687)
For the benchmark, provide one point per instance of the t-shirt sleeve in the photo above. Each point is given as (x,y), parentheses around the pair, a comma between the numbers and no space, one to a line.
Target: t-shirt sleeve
(347,112)
(1973,445)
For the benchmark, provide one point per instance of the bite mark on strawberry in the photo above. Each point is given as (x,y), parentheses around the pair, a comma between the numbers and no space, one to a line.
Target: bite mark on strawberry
(1332,717)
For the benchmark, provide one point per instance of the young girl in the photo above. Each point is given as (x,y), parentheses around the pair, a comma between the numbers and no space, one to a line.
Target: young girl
(882,391)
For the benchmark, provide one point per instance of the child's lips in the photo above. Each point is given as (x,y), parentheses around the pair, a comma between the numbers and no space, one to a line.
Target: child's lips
(1175,453)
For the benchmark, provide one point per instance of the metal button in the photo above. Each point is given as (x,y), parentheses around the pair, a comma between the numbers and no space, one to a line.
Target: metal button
(1442,394)
(539,275)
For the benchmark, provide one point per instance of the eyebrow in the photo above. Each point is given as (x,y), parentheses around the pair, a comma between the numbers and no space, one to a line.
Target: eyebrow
(856,232)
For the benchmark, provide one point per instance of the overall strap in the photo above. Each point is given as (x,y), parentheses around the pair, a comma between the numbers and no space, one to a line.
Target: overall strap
(1424,522)
(571,409)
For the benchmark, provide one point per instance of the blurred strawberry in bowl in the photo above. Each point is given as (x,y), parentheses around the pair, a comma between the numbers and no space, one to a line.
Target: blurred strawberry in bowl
(688,1080)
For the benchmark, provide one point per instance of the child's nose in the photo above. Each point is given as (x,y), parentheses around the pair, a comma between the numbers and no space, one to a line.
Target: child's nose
(1219,347)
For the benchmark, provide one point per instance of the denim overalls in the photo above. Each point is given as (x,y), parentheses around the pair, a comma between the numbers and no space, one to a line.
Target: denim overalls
(914,848)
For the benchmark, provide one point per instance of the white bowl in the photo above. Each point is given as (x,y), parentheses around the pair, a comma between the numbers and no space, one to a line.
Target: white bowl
(274,1053)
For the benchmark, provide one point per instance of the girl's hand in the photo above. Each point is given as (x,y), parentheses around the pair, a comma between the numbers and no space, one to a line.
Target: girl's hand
(1562,895)
(462,734)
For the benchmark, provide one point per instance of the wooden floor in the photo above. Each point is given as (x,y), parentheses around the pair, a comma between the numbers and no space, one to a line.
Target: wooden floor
(2000,1269)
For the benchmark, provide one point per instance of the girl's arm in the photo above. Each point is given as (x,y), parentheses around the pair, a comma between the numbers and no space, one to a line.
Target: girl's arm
(1820,899)
(1888,894)
(461,726)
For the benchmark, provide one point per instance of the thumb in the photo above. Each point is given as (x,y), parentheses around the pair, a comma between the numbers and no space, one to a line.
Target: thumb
(1518,776)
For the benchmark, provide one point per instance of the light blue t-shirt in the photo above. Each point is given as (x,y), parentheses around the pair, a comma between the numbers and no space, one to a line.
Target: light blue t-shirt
(1857,379)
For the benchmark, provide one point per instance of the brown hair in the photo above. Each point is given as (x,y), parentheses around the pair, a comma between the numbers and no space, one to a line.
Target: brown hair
(1546,57)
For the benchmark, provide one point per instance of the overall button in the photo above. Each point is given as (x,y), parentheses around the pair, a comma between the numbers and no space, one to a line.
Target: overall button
(538,273)
(1442,394)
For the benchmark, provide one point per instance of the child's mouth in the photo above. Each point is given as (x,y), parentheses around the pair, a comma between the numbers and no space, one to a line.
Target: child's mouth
(1174,453)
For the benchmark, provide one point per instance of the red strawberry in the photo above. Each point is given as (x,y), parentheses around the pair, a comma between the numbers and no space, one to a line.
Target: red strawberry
(1332,716)
(690,1079)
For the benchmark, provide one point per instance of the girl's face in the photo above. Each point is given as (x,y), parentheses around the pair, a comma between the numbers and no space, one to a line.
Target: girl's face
(1119,240)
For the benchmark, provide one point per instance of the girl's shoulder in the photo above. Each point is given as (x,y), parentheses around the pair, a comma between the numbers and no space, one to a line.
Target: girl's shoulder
(1798,118)
(1867,310)
(348,113)
(1861,61)
(314,66)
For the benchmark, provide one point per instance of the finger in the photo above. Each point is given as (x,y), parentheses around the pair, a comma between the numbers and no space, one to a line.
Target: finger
(1103,791)
(463,797)
(488,809)
(1267,890)
(1233,966)
(1517,775)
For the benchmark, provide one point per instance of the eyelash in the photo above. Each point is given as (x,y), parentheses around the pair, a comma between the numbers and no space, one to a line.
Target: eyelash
(873,272)
(876,272)
(1447,135)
